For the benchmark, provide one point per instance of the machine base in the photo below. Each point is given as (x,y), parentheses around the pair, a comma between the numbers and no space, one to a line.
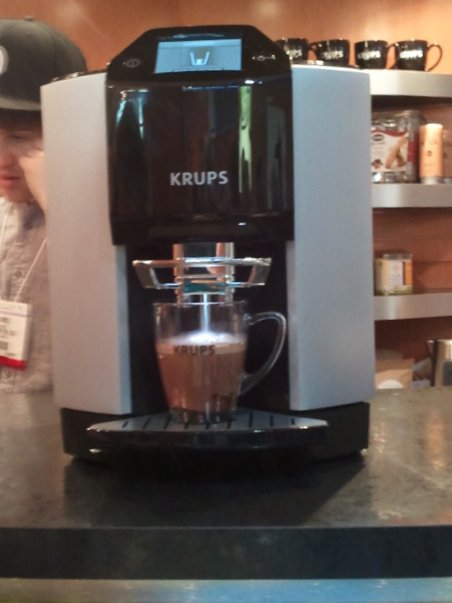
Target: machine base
(348,429)
(248,430)
(317,434)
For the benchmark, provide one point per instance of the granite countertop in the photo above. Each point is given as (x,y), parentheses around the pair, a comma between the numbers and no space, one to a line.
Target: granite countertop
(385,513)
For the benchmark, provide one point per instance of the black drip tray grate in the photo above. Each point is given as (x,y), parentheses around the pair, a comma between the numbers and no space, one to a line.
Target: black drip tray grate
(250,429)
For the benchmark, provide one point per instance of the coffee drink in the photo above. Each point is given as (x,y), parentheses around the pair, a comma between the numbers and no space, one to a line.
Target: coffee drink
(202,374)
(201,349)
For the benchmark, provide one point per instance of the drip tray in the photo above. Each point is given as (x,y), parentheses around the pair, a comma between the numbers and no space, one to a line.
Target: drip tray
(250,429)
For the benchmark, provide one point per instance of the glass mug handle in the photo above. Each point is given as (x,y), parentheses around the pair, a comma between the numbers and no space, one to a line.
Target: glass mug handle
(429,47)
(252,379)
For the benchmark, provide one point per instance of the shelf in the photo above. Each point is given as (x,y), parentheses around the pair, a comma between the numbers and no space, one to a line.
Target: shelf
(421,305)
(409,89)
(399,195)
(395,86)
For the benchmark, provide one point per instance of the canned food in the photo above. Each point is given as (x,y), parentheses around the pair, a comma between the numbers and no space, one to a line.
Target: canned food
(394,274)
(394,146)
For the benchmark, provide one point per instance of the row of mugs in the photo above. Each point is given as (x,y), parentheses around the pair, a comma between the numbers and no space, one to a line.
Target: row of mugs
(369,54)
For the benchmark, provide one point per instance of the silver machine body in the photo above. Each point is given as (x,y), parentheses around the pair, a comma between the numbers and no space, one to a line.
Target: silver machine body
(329,260)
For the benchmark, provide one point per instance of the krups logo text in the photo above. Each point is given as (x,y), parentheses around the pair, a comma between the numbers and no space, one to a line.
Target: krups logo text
(198,178)
(365,55)
(194,350)
(411,54)
(332,55)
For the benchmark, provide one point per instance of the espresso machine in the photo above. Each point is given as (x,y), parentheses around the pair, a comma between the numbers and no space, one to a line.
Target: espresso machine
(201,163)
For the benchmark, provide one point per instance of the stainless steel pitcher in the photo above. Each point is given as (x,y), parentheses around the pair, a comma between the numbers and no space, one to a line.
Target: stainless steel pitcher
(441,355)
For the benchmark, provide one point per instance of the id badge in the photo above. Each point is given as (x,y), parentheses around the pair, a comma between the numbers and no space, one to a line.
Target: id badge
(15,321)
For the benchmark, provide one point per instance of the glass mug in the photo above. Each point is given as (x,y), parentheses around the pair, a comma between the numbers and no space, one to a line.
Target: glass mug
(201,349)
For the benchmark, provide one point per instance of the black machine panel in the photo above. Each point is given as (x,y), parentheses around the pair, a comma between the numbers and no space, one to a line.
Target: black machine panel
(200,137)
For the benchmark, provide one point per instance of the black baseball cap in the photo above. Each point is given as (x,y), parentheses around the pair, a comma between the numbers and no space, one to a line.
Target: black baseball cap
(32,54)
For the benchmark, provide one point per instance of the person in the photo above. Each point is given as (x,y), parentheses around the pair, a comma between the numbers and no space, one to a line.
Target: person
(32,53)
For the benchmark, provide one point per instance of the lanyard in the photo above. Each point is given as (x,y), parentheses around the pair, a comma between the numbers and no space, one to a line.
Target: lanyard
(33,263)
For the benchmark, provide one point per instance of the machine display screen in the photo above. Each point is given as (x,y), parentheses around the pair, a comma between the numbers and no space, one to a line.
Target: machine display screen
(199,55)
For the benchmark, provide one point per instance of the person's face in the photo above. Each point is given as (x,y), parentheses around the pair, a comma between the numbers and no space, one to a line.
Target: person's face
(15,142)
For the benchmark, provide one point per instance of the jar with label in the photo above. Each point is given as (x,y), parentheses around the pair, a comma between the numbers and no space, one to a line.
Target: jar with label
(394,274)
(394,145)
(431,154)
